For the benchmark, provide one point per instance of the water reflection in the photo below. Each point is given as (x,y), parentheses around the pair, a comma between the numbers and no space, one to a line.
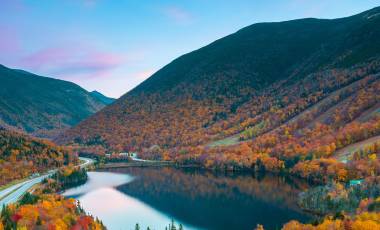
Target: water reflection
(152,196)
(98,180)
(117,210)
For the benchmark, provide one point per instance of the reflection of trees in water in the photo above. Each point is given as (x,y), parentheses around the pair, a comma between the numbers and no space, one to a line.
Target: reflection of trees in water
(203,198)
(195,183)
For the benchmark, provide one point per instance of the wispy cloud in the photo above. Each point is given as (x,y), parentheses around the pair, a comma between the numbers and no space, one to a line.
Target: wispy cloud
(178,14)
(73,61)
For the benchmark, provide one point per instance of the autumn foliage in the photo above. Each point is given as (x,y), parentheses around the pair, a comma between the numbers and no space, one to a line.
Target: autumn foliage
(267,98)
(49,212)
(21,156)
(277,127)
(364,221)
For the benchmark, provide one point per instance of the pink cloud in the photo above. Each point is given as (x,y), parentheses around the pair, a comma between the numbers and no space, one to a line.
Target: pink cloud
(177,14)
(73,61)
(144,74)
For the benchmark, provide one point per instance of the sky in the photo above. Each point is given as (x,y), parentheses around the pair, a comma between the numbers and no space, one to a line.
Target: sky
(113,45)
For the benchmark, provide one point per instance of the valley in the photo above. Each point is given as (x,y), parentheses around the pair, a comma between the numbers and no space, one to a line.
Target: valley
(275,126)
(29,104)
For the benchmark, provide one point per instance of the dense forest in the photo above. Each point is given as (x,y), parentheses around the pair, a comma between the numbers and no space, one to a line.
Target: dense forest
(287,97)
(255,99)
(22,156)
(65,178)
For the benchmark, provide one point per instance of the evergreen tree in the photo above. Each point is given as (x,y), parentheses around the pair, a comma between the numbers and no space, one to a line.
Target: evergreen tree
(38,222)
(6,217)
(173,227)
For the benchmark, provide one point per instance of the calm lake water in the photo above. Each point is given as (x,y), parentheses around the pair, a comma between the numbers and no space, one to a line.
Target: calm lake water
(197,199)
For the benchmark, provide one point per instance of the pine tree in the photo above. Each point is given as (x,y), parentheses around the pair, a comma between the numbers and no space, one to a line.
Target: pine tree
(173,227)
(38,222)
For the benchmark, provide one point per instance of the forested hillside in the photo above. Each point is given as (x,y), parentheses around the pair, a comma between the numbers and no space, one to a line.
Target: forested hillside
(272,96)
(42,106)
(21,156)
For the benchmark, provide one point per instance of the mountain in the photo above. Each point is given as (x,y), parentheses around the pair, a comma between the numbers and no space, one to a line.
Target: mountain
(102,98)
(42,106)
(280,92)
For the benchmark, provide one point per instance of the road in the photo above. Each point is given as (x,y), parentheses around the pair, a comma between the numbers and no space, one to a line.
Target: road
(13,193)
(87,161)
(148,161)
(140,160)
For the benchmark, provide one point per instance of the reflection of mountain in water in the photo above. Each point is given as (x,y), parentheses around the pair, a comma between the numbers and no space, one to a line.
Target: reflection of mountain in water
(217,201)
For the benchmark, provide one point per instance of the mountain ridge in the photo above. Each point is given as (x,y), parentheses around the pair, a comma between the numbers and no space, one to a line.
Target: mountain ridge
(246,29)
(249,84)
(42,106)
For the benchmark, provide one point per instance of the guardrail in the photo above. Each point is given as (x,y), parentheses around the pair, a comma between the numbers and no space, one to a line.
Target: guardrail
(137,164)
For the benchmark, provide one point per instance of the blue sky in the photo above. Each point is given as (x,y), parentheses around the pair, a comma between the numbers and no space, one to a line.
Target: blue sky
(113,45)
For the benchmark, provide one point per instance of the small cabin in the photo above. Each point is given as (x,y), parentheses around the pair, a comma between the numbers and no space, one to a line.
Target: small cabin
(355,182)
(128,154)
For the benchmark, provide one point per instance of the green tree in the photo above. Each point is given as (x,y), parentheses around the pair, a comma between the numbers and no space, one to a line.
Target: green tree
(28,198)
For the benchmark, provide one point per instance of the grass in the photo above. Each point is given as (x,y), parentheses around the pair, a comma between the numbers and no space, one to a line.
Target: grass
(233,140)
(345,153)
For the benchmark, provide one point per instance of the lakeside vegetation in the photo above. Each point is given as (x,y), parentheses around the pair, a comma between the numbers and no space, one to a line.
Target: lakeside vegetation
(64,178)
(336,198)
(44,209)
(362,221)
(171,226)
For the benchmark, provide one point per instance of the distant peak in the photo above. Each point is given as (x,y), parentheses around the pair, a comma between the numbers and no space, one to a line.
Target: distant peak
(99,93)
(102,97)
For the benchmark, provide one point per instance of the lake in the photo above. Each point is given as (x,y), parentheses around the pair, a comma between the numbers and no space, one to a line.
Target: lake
(197,199)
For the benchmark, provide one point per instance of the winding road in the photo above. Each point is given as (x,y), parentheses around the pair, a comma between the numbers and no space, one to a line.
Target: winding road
(13,193)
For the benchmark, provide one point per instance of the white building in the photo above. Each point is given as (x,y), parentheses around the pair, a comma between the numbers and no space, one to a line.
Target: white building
(129,154)
(134,155)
